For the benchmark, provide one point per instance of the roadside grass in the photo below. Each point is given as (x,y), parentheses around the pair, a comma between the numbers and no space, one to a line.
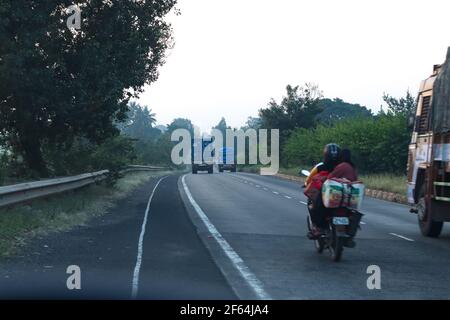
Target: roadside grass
(249,168)
(294,171)
(19,224)
(384,182)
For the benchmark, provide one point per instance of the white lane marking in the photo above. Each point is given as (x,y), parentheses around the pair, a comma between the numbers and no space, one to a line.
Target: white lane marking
(401,237)
(287,197)
(265,189)
(274,192)
(362,222)
(137,268)
(253,282)
(258,186)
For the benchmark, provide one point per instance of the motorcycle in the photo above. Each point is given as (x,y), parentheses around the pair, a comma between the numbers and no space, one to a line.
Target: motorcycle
(341,228)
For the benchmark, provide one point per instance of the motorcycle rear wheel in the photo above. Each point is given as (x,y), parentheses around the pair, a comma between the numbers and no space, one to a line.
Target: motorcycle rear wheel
(336,246)
(319,243)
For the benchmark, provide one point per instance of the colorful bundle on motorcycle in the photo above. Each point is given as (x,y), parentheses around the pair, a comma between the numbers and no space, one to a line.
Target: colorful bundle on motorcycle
(337,193)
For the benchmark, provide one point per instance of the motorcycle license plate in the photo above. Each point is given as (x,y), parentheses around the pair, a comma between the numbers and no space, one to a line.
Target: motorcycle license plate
(341,221)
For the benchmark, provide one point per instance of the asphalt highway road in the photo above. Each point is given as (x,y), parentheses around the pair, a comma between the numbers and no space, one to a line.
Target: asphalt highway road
(264,220)
(228,236)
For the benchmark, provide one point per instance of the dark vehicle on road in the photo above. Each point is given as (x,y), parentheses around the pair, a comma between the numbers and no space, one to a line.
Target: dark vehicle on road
(429,153)
(200,160)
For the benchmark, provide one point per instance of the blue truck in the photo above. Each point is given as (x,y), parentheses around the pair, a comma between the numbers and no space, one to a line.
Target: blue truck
(200,162)
(226,159)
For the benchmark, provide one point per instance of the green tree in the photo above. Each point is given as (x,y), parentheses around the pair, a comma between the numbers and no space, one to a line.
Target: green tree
(252,123)
(378,144)
(337,109)
(222,127)
(140,123)
(57,84)
(298,109)
(84,156)
(181,123)
(400,106)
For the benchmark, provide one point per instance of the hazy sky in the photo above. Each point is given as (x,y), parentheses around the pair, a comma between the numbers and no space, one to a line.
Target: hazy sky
(232,56)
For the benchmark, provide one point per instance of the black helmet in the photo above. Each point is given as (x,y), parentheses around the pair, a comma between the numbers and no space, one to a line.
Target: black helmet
(331,153)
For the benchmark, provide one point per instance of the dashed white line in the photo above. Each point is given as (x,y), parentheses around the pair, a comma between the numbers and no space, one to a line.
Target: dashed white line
(258,186)
(401,237)
(265,189)
(253,282)
(274,192)
(287,197)
(362,222)
(137,268)
(303,202)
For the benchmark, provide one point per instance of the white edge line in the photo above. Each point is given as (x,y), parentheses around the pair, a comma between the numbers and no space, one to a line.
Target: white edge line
(250,278)
(401,237)
(137,268)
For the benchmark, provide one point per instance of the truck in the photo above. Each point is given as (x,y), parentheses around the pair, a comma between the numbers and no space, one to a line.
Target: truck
(428,169)
(226,159)
(200,160)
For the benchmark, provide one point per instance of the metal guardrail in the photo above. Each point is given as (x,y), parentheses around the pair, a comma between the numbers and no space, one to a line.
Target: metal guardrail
(141,168)
(31,190)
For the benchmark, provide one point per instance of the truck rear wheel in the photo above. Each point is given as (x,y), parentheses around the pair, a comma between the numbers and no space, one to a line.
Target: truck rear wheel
(428,226)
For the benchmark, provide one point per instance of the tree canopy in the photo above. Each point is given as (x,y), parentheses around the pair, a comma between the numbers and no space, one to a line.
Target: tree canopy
(297,109)
(337,109)
(140,123)
(400,106)
(181,123)
(57,84)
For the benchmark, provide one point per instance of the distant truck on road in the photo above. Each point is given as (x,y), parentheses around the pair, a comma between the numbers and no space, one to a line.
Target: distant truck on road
(226,159)
(198,159)
(429,153)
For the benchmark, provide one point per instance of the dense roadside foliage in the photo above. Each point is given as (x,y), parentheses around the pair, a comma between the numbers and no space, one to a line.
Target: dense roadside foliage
(60,85)
(308,122)
(152,145)
(379,144)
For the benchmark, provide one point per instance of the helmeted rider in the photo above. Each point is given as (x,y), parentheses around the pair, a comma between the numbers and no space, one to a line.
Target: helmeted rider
(331,157)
